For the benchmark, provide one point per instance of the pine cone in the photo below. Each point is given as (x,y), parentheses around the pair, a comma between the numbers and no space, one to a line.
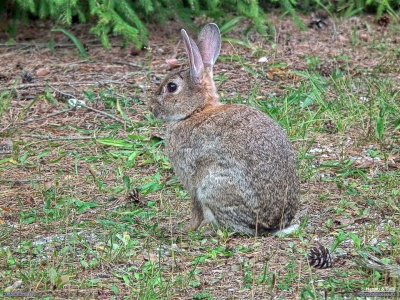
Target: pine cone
(320,257)
(326,69)
(330,127)
(384,21)
(133,196)
(319,20)
(27,77)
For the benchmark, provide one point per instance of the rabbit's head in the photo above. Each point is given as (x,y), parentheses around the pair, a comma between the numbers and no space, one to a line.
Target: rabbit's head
(183,93)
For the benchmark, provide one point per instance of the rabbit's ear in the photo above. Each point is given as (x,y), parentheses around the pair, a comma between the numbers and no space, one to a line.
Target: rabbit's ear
(209,42)
(195,60)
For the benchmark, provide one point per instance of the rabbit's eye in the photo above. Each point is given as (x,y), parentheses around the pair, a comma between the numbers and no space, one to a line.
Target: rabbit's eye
(171,87)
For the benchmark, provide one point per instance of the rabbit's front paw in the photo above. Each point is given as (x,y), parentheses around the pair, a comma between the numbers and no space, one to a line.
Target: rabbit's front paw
(197,219)
(194,223)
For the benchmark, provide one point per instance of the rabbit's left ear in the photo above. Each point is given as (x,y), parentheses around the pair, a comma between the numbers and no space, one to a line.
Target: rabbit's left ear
(209,42)
(195,60)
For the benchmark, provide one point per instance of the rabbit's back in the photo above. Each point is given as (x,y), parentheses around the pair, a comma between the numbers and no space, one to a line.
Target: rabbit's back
(239,163)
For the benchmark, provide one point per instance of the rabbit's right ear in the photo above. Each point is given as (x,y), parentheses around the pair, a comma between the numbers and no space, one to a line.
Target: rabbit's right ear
(195,60)
(209,42)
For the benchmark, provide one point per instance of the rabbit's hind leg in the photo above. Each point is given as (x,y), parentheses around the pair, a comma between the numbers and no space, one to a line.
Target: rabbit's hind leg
(224,204)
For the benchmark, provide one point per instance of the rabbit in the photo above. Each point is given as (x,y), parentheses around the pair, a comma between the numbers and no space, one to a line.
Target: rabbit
(235,162)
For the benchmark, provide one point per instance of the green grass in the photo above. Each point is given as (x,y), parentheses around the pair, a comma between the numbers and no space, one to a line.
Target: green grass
(75,231)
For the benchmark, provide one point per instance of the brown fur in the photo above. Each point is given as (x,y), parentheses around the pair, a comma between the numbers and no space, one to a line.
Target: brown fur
(210,91)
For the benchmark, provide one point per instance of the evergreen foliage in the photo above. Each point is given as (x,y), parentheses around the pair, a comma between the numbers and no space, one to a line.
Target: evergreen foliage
(128,17)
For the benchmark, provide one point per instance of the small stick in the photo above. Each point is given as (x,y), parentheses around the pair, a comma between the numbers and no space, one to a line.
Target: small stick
(65,138)
(127,64)
(371,262)
(46,117)
(5,128)
(176,49)
(104,114)
(88,107)
(44,84)
(20,181)
(46,45)
(92,172)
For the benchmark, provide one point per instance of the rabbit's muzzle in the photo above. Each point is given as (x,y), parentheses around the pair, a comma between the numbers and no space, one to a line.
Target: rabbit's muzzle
(154,108)
(158,111)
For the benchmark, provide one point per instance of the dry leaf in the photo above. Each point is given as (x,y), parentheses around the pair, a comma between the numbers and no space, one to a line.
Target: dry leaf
(276,74)
(42,72)
(153,257)
(364,36)
(172,63)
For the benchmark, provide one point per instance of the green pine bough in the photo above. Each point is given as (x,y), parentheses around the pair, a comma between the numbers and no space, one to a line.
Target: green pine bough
(128,18)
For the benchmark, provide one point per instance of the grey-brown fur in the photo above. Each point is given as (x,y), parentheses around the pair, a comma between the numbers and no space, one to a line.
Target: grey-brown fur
(236,163)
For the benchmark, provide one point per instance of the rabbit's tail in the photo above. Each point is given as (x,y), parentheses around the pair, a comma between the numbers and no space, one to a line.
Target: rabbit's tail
(277,231)
(286,231)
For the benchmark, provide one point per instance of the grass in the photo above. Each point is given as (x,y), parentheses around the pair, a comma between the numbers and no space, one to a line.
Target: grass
(104,217)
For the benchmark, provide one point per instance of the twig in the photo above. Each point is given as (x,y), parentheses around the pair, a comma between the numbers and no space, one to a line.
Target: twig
(335,32)
(5,128)
(92,42)
(105,114)
(373,263)
(88,107)
(176,49)
(21,181)
(123,63)
(44,84)
(64,138)
(16,125)
(45,117)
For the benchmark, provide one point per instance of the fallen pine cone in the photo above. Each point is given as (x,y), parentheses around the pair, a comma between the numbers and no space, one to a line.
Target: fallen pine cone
(133,196)
(384,21)
(319,21)
(27,77)
(320,257)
